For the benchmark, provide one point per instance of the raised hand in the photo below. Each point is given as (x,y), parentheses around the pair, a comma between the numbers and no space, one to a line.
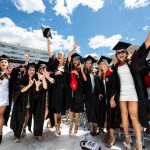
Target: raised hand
(75,45)
(46,74)
(37,83)
(31,81)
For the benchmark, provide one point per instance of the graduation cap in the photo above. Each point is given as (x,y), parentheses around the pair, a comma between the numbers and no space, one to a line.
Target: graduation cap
(46,32)
(121,45)
(31,65)
(76,55)
(4,57)
(104,58)
(42,64)
(90,58)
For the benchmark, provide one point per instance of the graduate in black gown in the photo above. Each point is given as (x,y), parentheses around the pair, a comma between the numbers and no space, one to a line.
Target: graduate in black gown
(50,83)
(110,109)
(21,111)
(92,93)
(5,92)
(56,66)
(39,105)
(75,92)
(131,99)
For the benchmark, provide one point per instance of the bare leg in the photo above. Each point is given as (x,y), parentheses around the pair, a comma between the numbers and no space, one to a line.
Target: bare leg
(125,121)
(76,122)
(71,121)
(25,123)
(56,124)
(133,112)
(2,110)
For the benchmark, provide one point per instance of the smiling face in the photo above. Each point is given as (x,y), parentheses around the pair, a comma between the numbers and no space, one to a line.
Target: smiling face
(4,64)
(31,72)
(61,57)
(104,65)
(121,55)
(88,64)
(76,62)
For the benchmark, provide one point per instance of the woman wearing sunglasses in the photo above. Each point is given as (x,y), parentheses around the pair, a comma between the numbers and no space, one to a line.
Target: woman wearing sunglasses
(129,89)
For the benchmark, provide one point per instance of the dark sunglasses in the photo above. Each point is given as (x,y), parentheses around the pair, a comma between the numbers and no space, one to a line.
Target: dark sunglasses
(120,52)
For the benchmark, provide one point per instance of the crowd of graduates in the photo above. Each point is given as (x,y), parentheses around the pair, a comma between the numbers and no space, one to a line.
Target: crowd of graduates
(113,94)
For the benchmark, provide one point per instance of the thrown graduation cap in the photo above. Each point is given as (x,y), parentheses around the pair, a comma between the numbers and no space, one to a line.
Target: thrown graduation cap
(46,32)
(121,45)
(42,64)
(90,58)
(104,58)
(4,57)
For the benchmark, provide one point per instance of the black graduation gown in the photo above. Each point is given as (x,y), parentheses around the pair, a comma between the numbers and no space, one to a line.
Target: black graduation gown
(19,110)
(59,88)
(76,104)
(92,102)
(136,66)
(108,90)
(38,105)
(50,108)
(74,97)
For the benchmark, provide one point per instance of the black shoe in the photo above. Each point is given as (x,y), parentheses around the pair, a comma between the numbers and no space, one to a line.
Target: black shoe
(0,138)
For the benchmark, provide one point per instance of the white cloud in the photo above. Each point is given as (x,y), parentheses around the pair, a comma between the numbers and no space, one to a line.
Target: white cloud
(130,4)
(146,28)
(11,33)
(65,8)
(110,54)
(29,6)
(95,55)
(101,41)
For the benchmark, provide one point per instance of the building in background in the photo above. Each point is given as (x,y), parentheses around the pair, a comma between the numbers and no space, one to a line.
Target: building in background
(17,52)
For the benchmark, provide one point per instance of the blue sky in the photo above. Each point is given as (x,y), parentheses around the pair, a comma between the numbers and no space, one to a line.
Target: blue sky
(97,25)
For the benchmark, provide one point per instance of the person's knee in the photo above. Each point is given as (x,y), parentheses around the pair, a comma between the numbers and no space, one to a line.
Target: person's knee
(124,115)
(134,116)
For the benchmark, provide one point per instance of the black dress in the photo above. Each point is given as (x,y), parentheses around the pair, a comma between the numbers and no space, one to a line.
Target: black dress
(50,108)
(59,88)
(107,92)
(75,100)
(92,102)
(38,105)
(136,66)
(19,110)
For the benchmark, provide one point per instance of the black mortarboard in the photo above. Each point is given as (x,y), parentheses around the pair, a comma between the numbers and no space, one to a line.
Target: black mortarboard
(104,58)
(90,58)
(32,65)
(4,57)
(121,45)
(46,32)
(76,55)
(42,64)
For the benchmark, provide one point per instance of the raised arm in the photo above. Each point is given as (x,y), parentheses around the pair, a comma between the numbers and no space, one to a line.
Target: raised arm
(147,41)
(72,51)
(139,56)
(50,51)
(26,57)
